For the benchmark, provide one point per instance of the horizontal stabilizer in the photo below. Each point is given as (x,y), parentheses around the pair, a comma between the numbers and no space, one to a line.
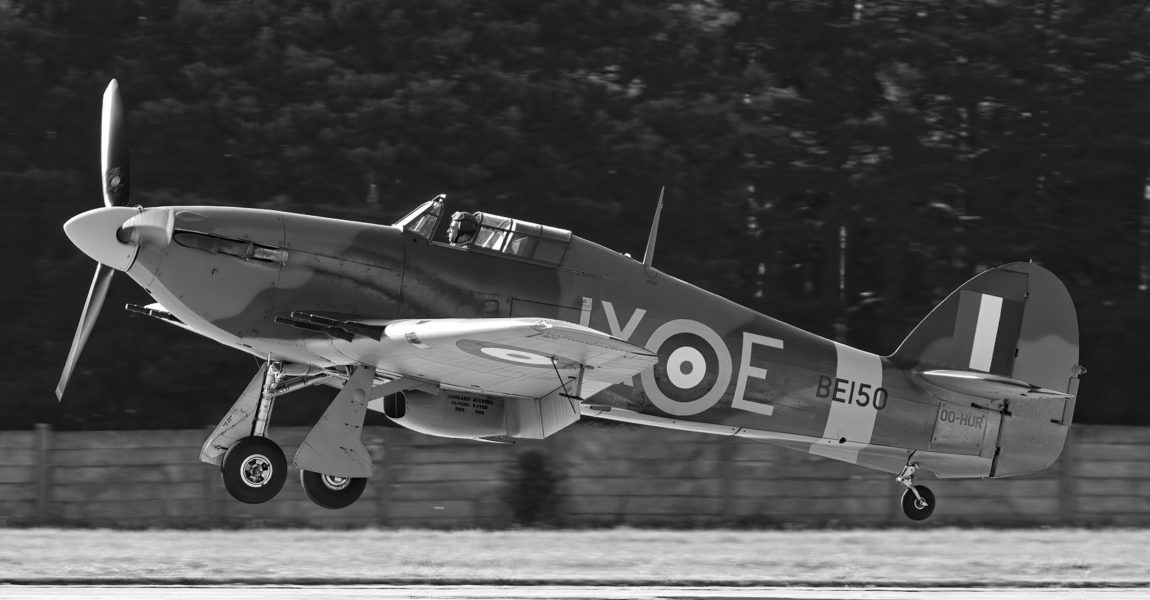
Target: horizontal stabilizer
(988,385)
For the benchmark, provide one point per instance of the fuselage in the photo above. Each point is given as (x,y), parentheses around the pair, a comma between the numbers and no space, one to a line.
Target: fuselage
(228,272)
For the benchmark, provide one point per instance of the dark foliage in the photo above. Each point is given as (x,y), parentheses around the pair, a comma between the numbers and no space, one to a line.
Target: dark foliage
(532,490)
(944,137)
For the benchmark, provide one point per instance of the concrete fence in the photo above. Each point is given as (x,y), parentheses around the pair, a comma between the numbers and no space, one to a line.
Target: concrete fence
(605,474)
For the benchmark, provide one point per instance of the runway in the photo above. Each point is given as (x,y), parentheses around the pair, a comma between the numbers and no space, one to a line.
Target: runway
(619,564)
(537,592)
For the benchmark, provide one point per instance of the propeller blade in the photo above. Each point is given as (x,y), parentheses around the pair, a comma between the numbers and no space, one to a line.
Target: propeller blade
(114,148)
(92,306)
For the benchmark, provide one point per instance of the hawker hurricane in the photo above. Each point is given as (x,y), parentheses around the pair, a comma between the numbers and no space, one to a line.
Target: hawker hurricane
(487,327)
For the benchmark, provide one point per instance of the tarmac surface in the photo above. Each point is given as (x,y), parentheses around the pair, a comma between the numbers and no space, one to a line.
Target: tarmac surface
(622,564)
(536,592)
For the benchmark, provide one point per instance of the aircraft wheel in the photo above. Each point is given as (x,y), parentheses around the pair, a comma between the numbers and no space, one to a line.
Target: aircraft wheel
(254,470)
(330,491)
(915,510)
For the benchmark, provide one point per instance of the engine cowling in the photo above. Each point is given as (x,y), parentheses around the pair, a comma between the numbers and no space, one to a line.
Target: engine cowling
(447,414)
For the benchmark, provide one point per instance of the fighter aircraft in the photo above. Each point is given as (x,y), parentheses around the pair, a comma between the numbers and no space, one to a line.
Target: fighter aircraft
(497,329)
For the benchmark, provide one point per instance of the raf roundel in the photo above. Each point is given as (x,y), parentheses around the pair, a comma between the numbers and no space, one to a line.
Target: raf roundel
(694,368)
(519,356)
(511,354)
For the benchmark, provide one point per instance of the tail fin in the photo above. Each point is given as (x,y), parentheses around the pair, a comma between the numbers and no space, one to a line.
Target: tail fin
(1008,336)
(1015,321)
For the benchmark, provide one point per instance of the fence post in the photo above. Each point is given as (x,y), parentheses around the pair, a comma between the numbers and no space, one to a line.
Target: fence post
(211,480)
(727,452)
(43,470)
(383,479)
(1067,483)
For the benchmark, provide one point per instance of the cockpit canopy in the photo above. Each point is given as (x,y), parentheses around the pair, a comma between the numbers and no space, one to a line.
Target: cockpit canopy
(490,233)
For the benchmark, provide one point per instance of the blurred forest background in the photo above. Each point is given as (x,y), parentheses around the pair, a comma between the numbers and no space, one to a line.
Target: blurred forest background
(941,137)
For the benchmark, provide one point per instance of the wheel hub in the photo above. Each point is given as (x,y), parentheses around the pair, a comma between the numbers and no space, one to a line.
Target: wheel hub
(256,471)
(335,483)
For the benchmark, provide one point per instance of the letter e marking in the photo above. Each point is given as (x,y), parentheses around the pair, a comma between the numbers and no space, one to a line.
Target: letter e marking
(746,371)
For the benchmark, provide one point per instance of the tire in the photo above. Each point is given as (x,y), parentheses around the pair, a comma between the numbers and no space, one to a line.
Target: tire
(332,492)
(254,470)
(911,511)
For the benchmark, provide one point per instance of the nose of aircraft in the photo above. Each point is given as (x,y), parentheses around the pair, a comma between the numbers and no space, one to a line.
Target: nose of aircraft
(111,235)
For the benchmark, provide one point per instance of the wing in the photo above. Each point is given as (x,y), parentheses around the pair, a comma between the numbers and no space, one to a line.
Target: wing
(526,357)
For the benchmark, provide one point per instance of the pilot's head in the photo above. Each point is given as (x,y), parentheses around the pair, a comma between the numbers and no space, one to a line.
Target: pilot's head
(463,228)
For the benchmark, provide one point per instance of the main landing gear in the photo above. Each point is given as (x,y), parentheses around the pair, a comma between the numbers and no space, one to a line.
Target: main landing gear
(917,500)
(334,464)
(252,467)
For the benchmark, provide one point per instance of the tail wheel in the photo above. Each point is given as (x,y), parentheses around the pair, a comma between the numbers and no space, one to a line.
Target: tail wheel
(916,509)
(330,491)
(254,470)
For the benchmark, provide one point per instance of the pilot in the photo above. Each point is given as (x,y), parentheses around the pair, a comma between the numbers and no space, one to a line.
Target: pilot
(463,228)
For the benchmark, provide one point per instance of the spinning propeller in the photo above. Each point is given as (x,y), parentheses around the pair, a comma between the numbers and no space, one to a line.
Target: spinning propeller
(114,168)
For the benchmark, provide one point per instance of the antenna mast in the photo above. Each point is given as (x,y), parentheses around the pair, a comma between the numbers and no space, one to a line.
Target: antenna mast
(649,255)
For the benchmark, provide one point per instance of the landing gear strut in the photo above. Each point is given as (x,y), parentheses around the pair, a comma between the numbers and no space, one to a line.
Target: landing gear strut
(917,500)
(252,466)
(334,464)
